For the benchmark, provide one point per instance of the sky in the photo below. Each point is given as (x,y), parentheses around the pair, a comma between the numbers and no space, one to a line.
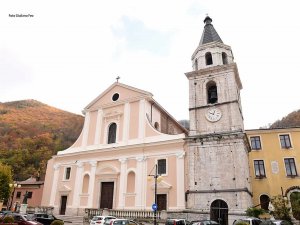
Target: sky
(67,52)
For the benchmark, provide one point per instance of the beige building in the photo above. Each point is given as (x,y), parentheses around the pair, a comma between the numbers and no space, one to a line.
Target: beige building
(274,164)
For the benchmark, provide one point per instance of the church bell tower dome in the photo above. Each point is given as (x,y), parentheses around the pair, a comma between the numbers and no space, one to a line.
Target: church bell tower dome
(211,50)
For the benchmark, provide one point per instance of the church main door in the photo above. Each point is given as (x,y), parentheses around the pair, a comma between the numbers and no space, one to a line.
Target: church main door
(107,195)
(219,212)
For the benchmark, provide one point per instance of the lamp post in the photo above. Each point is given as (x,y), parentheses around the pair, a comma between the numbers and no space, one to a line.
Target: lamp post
(157,178)
(14,186)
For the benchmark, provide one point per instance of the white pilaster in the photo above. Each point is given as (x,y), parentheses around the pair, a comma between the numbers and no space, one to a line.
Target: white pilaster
(140,183)
(123,183)
(92,183)
(180,180)
(126,122)
(86,129)
(98,126)
(54,185)
(142,119)
(78,185)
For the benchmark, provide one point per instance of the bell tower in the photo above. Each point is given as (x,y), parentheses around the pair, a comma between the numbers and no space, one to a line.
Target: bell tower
(219,182)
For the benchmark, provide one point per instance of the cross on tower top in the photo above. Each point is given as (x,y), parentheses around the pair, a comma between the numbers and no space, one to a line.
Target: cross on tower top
(117,78)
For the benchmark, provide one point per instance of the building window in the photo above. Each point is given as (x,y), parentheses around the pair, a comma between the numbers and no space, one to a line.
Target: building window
(112,133)
(212,93)
(29,194)
(196,64)
(285,141)
(162,166)
(208,58)
(259,168)
(290,167)
(67,173)
(255,143)
(224,58)
(18,194)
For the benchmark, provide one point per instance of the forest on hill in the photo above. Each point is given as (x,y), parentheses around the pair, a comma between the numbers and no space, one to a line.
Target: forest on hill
(291,120)
(31,132)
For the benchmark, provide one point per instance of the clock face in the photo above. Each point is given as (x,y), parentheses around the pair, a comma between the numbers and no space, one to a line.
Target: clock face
(213,114)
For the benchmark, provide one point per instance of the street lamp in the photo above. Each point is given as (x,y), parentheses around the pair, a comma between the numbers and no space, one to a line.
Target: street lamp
(157,178)
(14,186)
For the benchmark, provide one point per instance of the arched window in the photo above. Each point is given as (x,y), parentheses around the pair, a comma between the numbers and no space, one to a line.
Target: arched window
(219,212)
(85,184)
(212,93)
(224,58)
(112,133)
(131,182)
(208,58)
(156,125)
(196,64)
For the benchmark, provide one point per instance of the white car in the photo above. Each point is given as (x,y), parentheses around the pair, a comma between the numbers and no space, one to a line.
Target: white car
(101,220)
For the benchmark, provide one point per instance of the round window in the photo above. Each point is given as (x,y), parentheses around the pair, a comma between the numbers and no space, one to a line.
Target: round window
(115,97)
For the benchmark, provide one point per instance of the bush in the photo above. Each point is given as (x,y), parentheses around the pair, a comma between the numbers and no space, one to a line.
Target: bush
(254,212)
(8,219)
(57,222)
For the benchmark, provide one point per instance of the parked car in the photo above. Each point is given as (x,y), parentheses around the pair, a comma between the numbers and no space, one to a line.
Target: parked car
(249,220)
(22,220)
(176,222)
(44,218)
(281,222)
(204,222)
(101,220)
(122,222)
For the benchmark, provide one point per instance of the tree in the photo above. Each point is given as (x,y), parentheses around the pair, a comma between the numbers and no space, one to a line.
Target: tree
(5,180)
(254,212)
(281,210)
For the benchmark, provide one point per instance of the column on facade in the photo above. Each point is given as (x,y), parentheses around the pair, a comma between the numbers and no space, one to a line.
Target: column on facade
(180,180)
(140,187)
(86,127)
(78,185)
(54,185)
(126,122)
(142,119)
(123,183)
(98,127)
(92,183)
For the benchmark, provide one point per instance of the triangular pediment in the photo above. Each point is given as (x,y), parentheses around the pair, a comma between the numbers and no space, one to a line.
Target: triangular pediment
(124,93)
(162,186)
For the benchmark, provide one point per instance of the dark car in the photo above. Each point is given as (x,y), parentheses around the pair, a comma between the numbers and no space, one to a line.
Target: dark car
(21,219)
(204,222)
(176,222)
(43,218)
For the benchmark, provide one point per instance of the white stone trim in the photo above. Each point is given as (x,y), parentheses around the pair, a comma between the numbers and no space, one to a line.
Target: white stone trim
(123,182)
(54,184)
(141,131)
(86,129)
(126,122)
(98,126)
(180,180)
(78,184)
(92,183)
(140,181)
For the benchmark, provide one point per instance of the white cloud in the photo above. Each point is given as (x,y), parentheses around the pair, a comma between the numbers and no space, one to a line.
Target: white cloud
(69,52)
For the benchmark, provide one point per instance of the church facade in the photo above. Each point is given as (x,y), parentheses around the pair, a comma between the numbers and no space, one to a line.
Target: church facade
(128,138)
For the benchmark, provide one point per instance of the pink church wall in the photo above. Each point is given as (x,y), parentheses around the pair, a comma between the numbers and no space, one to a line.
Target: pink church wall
(134,120)
(92,127)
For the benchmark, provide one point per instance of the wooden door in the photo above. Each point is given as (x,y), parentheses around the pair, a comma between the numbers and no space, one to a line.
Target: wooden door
(107,195)
(161,202)
(63,205)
